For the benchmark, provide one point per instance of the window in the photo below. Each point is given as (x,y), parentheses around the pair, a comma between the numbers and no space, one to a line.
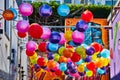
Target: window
(77,1)
(110,2)
(6,23)
(58,2)
(29,1)
(92,1)
(67,1)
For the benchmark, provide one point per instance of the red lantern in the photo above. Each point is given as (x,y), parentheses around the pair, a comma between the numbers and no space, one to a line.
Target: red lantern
(41,61)
(21,35)
(35,30)
(42,47)
(58,72)
(96,46)
(94,71)
(75,57)
(8,15)
(101,47)
(29,53)
(90,66)
(69,46)
(87,16)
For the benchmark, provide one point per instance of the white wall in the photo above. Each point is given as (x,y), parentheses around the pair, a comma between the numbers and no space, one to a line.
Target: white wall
(5,43)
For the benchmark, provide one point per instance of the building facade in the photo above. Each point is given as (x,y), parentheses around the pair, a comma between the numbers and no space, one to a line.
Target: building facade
(102,2)
(96,2)
(114,40)
(9,45)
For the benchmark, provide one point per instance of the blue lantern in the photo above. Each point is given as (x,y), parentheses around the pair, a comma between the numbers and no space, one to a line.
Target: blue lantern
(14,12)
(63,10)
(100,71)
(52,47)
(105,53)
(79,62)
(63,66)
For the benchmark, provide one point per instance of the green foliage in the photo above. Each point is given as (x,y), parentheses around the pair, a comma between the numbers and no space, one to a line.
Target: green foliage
(101,11)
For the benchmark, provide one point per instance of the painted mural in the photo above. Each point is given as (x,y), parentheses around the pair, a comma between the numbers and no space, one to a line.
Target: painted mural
(99,35)
(114,47)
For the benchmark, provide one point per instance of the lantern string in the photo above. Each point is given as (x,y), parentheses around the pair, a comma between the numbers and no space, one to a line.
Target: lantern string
(56,22)
(46,25)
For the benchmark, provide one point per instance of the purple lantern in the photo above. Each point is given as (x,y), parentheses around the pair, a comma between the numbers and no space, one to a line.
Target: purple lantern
(66,72)
(45,10)
(55,37)
(70,65)
(81,26)
(81,74)
(73,71)
(88,59)
(90,50)
(50,56)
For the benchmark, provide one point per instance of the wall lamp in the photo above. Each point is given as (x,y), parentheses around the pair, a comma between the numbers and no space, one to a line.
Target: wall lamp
(116,8)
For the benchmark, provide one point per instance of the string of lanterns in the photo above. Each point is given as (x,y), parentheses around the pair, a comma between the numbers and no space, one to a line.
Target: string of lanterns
(74,59)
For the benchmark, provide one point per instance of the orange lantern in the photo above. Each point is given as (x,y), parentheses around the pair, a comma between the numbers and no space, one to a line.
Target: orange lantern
(63,59)
(68,52)
(8,15)
(51,64)
(99,63)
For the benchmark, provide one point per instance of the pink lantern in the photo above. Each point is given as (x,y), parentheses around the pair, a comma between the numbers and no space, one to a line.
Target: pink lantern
(56,67)
(63,40)
(76,75)
(46,33)
(31,46)
(77,36)
(26,9)
(22,26)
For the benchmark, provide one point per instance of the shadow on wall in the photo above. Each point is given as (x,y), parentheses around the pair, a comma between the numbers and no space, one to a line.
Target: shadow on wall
(18,2)
(5,76)
(116,77)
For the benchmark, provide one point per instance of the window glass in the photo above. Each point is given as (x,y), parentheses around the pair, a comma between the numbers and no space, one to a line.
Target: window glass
(67,1)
